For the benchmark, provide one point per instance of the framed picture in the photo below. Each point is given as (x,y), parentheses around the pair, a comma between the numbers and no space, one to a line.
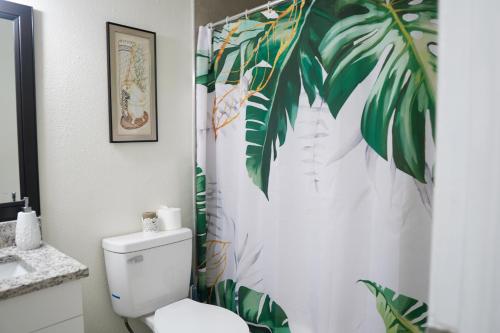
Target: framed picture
(133,113)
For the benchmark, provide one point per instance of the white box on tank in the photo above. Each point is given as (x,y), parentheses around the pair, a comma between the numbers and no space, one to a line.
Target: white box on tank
(147,271)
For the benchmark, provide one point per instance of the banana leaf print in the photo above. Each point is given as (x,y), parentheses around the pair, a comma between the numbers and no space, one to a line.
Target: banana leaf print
(224,294)
(274,94)
(204,75)
(201,233)
(263,46)
(230,46)
(261,313)
(404,90)
(204,72)
(292,41)
(400,313)
(282,56)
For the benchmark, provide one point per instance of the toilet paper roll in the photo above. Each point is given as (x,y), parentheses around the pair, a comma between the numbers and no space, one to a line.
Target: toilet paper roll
(169,218)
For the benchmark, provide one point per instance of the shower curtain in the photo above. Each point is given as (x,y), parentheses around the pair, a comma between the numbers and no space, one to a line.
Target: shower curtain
(315,154)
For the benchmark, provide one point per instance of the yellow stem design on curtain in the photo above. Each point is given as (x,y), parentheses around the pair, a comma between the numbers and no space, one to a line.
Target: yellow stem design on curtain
(221,115)
(217,261)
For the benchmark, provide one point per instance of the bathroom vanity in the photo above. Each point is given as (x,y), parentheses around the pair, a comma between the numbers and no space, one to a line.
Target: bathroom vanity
(40,290)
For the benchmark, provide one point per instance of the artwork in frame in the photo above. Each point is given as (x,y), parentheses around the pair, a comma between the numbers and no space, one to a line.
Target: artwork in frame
(133,113)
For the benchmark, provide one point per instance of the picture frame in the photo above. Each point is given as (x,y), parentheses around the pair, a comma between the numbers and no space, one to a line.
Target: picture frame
(132,94)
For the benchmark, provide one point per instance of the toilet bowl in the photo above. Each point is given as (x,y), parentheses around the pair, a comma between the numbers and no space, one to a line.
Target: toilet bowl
(188,316)
(148,277)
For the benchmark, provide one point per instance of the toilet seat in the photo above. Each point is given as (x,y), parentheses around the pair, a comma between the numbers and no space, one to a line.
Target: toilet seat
(188,316)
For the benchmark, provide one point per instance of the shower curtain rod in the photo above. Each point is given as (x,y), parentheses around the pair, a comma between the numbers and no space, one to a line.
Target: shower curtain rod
(228,19)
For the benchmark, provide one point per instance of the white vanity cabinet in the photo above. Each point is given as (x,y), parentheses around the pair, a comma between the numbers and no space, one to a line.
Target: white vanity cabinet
(56,309)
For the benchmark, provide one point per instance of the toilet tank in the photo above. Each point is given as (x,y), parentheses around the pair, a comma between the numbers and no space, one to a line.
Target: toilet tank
(147,271)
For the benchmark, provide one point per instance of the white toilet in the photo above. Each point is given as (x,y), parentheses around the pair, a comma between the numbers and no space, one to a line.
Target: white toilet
(148,277)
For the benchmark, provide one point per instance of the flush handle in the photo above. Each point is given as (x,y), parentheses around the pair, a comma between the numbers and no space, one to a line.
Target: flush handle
(135,260)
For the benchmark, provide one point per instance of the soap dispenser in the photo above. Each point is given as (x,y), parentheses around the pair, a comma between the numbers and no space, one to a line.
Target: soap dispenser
(28,236)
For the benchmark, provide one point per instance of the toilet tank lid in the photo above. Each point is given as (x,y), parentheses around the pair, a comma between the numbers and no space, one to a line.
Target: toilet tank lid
(145,240)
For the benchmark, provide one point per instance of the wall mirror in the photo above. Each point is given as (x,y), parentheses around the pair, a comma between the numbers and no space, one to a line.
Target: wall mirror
(18,140)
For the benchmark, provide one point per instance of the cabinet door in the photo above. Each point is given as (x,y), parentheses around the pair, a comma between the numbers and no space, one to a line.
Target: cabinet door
(43,308)
(74,325)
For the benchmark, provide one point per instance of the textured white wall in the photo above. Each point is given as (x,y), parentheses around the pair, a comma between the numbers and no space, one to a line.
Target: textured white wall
(9,159)
(91,189)
(465,270)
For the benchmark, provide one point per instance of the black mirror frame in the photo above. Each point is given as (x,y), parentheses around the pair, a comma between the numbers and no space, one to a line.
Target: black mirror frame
(26,108)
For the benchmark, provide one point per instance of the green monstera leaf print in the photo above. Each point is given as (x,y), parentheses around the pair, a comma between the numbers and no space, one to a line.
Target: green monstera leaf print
(327,48)
(403,33)
(261,313)
(400,313)
(201,233)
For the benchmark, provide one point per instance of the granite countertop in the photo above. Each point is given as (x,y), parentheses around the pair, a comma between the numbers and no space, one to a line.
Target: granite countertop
(46,266)
(7,233)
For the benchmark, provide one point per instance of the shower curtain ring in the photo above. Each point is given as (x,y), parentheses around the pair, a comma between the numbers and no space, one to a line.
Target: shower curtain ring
(246,14)
(210,25)
(227,20)
(269,6)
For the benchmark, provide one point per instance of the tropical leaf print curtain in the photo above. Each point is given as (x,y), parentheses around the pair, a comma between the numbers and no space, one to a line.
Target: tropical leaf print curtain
(315,155)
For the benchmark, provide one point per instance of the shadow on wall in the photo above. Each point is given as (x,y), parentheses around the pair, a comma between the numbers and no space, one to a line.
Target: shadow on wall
(206,11)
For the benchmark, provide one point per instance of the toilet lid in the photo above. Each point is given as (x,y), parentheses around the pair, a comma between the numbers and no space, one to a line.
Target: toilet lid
(188,316)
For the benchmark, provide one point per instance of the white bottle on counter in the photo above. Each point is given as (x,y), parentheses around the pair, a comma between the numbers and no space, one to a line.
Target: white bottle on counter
(28,236)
